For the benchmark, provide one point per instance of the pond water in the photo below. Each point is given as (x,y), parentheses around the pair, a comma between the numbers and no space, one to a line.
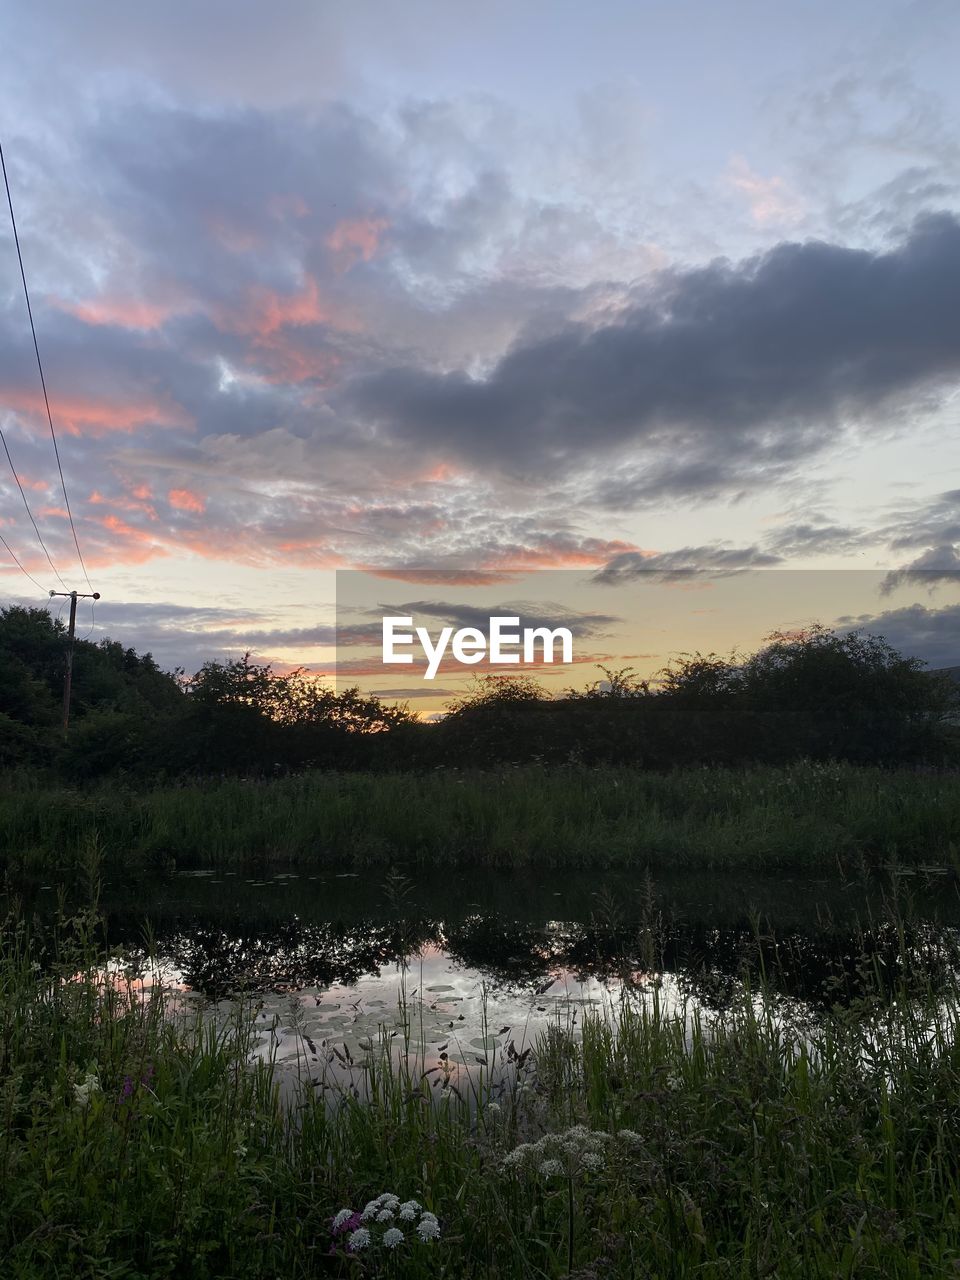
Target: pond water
(466,968)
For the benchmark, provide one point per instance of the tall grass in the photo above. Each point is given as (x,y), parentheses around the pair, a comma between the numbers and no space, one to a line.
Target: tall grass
(137,1142)
(802,816)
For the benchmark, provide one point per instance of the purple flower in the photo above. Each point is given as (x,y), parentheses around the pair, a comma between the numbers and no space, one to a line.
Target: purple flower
(126,1092)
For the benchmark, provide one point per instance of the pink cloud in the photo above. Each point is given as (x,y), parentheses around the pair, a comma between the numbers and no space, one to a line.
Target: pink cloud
(80,415)
(125,313)
(186,500)
(770,199)
(355,240)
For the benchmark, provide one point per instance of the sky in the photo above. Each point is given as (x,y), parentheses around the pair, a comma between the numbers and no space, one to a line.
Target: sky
(510,288)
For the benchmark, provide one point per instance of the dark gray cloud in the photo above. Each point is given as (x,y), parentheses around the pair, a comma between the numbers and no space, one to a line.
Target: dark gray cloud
(685,563)
(755,364)
(936,567)
(932,635)
(814,538)
(930,524)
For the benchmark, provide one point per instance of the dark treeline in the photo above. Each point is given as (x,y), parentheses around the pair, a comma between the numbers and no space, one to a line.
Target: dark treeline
(818,695)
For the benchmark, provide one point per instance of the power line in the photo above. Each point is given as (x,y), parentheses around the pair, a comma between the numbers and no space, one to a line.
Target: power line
(26,504)
(43,381)
(13,557)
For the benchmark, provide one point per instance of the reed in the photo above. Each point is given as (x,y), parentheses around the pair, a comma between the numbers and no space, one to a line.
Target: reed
(805,816)
(138,1141)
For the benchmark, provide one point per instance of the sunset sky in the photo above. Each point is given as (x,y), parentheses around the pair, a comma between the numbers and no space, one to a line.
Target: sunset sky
(508,287)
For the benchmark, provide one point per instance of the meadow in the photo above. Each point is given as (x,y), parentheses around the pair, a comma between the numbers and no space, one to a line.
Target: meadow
(138,1143)
(809,816)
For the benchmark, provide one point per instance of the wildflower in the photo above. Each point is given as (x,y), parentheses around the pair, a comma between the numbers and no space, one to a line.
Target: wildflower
(343,1216)
(359,1239)
(629,1136)
(409,1206)
(126,1093)
(493,1108)
(551,1169)
(515,1158)
(392,1237)
(590,1160)
(428,1228)
(385,1215)
(370,1210)
(84,1091)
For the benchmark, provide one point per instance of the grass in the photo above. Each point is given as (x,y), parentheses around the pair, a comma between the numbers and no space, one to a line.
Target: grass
(805,816)
(137,1143)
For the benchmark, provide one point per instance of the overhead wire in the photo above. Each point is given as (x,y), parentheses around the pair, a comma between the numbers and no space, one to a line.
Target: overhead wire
(14,558)
(26,504)
(43,382)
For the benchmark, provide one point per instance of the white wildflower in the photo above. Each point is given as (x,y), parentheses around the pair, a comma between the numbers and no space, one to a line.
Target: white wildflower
(413,1205)
(407,1214)
(385,1215)
(84,1091)
(551,1169)
(358,1239)
(370,1210)
(428,1228)
(389,1200)
(341,1218)
(392,1237)
(628,1135)
(493,1108)
(591,1160)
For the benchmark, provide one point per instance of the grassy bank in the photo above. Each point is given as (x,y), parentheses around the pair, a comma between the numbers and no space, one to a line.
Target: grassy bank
(135,1145)
(803,817)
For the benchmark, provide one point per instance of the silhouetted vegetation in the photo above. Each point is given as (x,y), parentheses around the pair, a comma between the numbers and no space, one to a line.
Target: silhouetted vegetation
(816,695)
(807,815)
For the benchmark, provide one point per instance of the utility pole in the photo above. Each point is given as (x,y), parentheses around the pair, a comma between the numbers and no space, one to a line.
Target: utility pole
(73,597)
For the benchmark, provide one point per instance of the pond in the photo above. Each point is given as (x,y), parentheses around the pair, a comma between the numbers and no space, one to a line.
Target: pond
(470,967)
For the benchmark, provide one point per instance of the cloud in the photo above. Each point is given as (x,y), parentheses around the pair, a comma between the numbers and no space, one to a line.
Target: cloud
(186,500)
(935,567)
(531,615)
(816,537)
(722,375)
(932,635)
(683,565)
(770,200)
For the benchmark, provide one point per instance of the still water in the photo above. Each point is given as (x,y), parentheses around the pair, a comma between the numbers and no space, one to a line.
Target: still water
(470,966)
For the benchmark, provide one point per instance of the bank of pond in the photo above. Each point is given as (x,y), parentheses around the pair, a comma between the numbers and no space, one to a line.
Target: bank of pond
(216,1074)
(825,818)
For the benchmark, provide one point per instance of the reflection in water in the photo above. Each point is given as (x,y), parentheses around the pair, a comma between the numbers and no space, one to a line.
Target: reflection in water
(819,967)
(331,972)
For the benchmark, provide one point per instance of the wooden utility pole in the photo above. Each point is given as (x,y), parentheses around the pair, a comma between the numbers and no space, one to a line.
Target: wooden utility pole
(73,597)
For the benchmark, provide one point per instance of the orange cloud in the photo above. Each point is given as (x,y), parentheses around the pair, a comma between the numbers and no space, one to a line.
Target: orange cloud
(97,499)
(186,500)
(355,240)
(128,544)
(591,553)
(86,416)
(125,313)
(266,312)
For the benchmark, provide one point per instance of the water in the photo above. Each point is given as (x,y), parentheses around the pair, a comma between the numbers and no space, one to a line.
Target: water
(465,969)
